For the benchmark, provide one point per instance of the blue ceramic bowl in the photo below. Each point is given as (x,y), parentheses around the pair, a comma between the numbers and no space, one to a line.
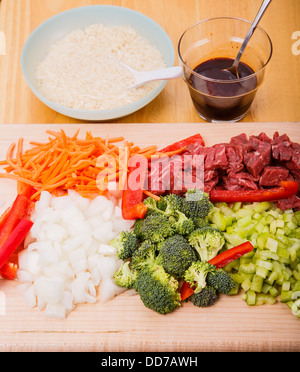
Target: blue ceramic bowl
(47,33)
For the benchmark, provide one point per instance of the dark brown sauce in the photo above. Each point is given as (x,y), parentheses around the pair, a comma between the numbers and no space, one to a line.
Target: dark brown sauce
(222,101)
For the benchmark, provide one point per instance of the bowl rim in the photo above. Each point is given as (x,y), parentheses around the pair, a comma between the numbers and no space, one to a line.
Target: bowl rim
(106,114)
(220,80)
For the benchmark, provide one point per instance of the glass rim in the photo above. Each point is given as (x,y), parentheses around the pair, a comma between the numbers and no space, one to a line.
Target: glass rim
(220,80)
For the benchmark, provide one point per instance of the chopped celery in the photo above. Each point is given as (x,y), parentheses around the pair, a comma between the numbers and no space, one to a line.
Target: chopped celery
(283,239)
(283,252)
(218,219)
(241,213)
(244,221)
(274,292)
(261,207)
(233,238)
(266,288)
(248,268)
(295,295)
(296,274)
(287,217)
(286,286)
(294,264)
(290,304)
(262,272)
(287,272)
(291,225)
(237,278)
(234,265)
(296,286)
(229,220)
(251,297)
(224,208)
(297,217)
(262,298)
(279,232)
(265,255)
(280,223)
(246,284)
(236,206)
(273,227)
(272,269)
(272,244)
(266,264)
(257,283)
(286,230)
(234,290)
(286,296)
(296,310)
(272,277)
(259,227)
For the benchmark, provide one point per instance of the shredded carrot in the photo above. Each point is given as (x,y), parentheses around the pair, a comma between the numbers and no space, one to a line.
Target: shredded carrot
(65,162)
(148,193)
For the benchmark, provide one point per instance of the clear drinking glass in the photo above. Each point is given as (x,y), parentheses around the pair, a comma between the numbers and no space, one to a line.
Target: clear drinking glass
(218,100)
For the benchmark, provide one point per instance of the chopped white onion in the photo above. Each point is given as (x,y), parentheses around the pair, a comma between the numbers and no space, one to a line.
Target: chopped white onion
(68,255)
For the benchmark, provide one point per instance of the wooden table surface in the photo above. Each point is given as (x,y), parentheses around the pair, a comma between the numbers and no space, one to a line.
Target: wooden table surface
(277,100)
(124,324)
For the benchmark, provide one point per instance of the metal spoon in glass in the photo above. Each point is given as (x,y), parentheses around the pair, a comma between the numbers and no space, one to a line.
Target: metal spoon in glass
(142,77)
(234,68)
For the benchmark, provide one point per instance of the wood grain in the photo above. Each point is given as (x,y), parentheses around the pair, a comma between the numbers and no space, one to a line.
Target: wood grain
(277,100)
(124,324)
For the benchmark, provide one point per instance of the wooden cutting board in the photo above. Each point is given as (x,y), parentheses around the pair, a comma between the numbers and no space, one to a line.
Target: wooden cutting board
(124,324)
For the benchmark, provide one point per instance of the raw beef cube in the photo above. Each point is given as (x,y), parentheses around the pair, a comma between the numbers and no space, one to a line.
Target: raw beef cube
(259,157)
(273,175)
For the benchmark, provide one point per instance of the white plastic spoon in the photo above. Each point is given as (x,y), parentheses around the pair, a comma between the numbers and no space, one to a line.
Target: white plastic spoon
(142,77)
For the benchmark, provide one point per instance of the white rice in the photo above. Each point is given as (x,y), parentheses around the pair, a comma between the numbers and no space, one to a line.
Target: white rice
(68,259)
(82,70)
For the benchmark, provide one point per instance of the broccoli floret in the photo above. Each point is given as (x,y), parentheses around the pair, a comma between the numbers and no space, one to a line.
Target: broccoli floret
(125,277)
(196,274)
(160,244)
(200,222)
(144,255)
(125,243)
(197,204)
(207,241)
(221,281)
(137,227)
(167,205)
(176,255)
(157,289)
(152,206)
(156,228)
(182,224)
(171,203)
(206,297)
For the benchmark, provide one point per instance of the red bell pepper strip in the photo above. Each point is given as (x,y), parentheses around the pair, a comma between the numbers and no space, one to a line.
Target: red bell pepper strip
(221,260)
(18,210)
(9,271)
(186,291)
(224,258)
(27,190)
(132,197)
(4,216)
(137,211)
(197,138)
(287,189)
(14,240)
